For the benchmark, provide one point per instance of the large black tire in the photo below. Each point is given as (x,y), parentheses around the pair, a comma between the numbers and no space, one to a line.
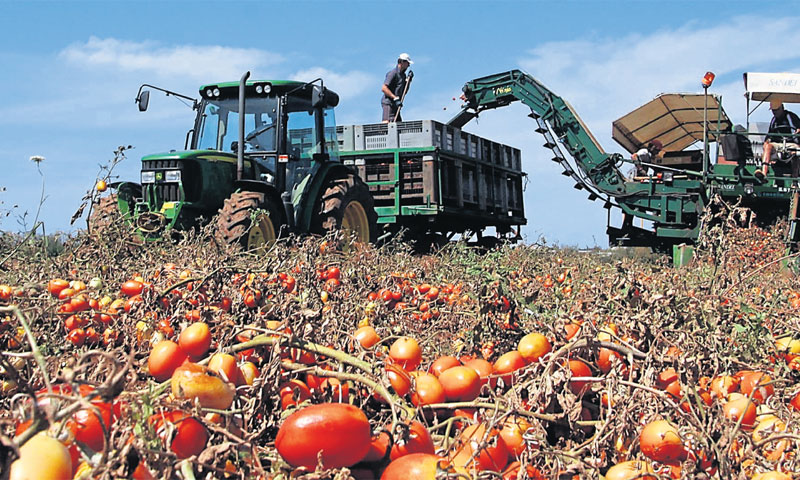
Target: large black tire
(249,219)
(346,204)
(104,214)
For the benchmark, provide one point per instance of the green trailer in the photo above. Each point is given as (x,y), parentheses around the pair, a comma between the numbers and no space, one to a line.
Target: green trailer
(436,181)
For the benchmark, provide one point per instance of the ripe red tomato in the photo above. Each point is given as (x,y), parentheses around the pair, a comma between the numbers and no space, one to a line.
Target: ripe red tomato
(91,425)
(131,288)
(293,392)
(339,433)
(579,369)
(417,439)
(190,436)
(56,285)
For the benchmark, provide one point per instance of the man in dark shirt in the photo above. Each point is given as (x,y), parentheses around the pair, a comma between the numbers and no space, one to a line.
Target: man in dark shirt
(783,122)
(393,87)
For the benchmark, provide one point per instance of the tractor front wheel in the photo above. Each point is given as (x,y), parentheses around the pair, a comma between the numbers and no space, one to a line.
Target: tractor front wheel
(347,204)
(249,219)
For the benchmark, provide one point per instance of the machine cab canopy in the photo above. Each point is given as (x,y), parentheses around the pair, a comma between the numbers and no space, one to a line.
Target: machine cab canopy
(675,119)
(763,87)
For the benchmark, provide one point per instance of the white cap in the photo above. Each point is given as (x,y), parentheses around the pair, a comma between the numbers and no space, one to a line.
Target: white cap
(404,56)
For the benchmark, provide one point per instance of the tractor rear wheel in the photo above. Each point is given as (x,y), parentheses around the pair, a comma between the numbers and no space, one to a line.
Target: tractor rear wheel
(104,214)
(346,204)
(249,219)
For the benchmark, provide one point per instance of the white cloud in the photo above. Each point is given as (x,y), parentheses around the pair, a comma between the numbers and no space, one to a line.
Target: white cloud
(348,84)
(204,63)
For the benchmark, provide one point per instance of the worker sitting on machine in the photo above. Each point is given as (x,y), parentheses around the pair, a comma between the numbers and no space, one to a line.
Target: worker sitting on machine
(780,147)
(646,155)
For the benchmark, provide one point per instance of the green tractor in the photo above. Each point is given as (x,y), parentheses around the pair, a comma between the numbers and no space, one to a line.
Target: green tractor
(261,161)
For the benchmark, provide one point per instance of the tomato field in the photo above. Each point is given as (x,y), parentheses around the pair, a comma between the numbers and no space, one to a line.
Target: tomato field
(189,359)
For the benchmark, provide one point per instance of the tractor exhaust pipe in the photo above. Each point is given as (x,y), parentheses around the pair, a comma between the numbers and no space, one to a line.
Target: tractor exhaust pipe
(240,146)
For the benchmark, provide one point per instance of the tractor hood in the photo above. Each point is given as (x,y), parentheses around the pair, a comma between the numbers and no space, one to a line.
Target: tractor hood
(208,155)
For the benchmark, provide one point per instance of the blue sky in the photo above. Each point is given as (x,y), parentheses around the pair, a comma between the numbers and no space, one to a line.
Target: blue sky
(71,71)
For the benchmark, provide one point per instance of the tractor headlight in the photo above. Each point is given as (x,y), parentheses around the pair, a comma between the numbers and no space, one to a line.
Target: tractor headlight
(172,176)
(148,177)
(216,92)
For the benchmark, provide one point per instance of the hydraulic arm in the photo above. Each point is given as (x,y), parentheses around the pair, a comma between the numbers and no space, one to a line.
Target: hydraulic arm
(671,206)
(598,170)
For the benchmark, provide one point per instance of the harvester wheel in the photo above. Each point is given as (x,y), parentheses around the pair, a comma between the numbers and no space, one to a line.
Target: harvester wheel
(347,204)
(249,219)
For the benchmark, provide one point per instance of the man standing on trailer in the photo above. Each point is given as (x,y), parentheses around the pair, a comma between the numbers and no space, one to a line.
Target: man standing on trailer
(393,87)
(785,122)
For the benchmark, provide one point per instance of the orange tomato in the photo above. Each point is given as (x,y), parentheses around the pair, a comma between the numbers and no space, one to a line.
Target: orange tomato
(224,365)
(416,466)
(427,389)
(513,429)
(484,370)
(195,339)
(443,363)
(165,357)
(196,382)
(399,378)
(740,407)
(488,449)
(460,384)
(367,336)
(507,364)
(757,385)
(56,285)
(406,353)
(533,346)
(42,457)
(660,441)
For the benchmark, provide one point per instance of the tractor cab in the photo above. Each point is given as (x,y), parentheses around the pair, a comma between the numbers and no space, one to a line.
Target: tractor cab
(280,126)
(260,159)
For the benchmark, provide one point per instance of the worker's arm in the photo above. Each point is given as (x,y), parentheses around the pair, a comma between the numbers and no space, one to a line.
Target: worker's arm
(387,92)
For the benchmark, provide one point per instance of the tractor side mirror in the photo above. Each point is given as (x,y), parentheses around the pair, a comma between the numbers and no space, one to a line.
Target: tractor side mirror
(317,97)
(143,100)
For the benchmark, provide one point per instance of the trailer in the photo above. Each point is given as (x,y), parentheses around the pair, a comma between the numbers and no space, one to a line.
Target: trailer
(436,181)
